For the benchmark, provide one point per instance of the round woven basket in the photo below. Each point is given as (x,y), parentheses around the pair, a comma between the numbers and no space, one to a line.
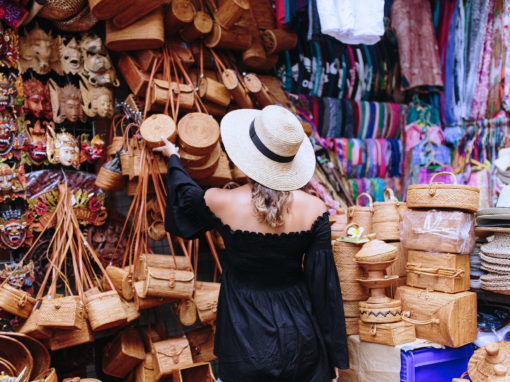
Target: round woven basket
(105,311)
(390,312)
(157,126)
(61,9)
(192,160)
(198,133)
(353,291)
(208,169)
(386,219)
(376,251)
(344,253)
(39,352)
(362,215)
(439,195)
(80,22)
(109,180)
(18,355)
(481,365)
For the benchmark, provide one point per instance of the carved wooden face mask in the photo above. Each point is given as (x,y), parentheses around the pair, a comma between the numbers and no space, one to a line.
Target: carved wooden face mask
(70,55)
(92,151)
(38,51)
(8,129)
(97,101)
(7,91)
(35,144)
(66,102)
(62,148)
(13,228)
(98,69)
(37,98)
(12,182)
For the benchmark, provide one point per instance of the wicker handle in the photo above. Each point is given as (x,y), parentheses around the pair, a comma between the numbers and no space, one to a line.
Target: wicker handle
(443,173)
(389,195)
(406,316)
(370,200)
(351,225)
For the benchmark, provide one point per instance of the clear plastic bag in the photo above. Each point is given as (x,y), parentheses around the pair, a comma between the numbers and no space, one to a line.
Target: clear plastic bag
(438,231)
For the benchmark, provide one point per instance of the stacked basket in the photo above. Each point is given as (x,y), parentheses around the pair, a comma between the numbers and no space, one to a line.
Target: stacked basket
(438,234)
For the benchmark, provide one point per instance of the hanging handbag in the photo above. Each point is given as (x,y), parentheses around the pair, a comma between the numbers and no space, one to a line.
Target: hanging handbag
(199,372)
(201,342)
(124,353)
(168,283)
(206,299)
(170,355)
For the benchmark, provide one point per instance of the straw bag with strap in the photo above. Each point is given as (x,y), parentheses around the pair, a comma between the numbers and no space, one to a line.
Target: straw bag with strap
(201,342)
(171,354)
(206,299)
(362,215)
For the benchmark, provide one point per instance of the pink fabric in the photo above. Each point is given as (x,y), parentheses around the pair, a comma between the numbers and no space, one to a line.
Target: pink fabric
(482,90)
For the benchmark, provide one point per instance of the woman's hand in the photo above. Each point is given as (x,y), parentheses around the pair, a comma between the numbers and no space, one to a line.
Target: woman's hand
(168,149)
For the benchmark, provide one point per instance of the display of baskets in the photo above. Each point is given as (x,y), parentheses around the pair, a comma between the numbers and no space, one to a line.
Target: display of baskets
(439,195)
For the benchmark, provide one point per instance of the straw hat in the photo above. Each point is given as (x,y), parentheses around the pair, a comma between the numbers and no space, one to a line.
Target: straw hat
(269,146)
(502,210)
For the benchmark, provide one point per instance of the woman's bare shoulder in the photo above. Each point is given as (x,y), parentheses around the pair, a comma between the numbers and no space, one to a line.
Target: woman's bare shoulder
(311,206)
(217,198)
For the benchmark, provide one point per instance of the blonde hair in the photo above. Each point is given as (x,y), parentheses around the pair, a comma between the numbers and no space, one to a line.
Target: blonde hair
(269,205)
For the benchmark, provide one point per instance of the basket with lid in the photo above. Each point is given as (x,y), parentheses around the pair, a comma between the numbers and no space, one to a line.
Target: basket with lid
(386,219)
(440,195)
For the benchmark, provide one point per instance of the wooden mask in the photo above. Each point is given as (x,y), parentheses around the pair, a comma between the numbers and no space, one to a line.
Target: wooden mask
(14,228)
(37,98)
(12,182)
(11,93)
(9,53)
(92,151)
(62,148)
(8,130)
(71,61)
(35,143)
(98,69)
(66,103)
(97,101)
(38,50)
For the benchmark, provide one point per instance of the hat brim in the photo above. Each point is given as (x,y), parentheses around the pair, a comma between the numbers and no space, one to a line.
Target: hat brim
(235,135)
(493,211)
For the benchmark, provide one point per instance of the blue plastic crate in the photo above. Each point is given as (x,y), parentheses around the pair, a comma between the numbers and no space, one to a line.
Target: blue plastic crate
(434,365)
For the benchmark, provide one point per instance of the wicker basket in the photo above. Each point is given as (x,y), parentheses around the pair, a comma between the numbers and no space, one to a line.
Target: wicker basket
(32,329)
(376,251)
(63,339)
(39,352)
(362,216)
(18,355)
(168,283)
(62,313)
(124,353)
(105,311)
(386,219)
(187,312)
(206,299)
(137,12)
(49,375)
(230,11)
(199,133)
(200,26)
(169,355)
(146,33)
(109,180)
(351,309)
(381,313)
(439,195)
(15,301)
(143,303)
(157,126)
(338,225)
(106,9)
(344,252)
(353,291)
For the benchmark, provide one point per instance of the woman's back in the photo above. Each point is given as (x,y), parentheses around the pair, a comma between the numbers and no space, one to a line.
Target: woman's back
(235,209)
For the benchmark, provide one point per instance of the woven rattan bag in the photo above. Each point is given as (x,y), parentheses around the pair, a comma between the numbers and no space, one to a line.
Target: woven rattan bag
(386,219)
(170,355)
(439,195)
(362,216)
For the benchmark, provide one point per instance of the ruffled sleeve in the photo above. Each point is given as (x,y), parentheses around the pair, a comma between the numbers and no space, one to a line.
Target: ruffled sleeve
(324,288)
(186,213)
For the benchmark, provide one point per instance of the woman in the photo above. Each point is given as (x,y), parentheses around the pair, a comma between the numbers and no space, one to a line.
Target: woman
(280,316)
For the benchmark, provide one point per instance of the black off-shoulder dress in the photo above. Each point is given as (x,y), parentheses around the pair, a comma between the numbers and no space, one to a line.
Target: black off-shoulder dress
(279,318)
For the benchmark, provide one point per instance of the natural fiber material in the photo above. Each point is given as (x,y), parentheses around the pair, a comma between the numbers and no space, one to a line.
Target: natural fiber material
(170,355)
(438,195)
(373,313)
(157,126)
(49,375)
(16,301)
(146,33)
(481,365)
(198,133)
(386,218)
(376,251)
(187,312)
(39,352)
(499,247)
(353,291)
(62,313)
(282,134)
(61,9)
(106,9)
(206,299)
(124,353)
(18,355)
(351,309)
(63,339)
(362,216)
(81,22)
(105,311)
(168,283)
(32,329)
(201,342)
